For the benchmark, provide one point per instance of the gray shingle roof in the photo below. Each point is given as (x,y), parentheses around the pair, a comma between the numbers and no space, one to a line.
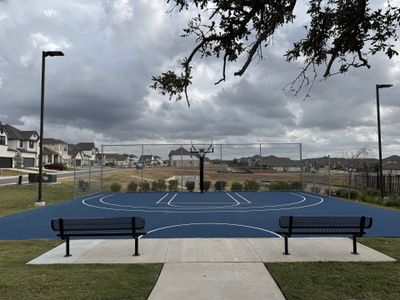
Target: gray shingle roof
(51,141)
(16,134)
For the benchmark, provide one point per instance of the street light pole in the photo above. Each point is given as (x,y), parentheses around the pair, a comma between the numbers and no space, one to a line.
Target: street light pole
(381,187)
(39,201)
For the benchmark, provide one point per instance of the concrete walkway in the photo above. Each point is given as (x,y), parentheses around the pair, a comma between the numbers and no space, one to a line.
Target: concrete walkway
(219,268)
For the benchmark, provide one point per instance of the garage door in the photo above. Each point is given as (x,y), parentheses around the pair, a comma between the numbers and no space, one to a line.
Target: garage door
(5,162)
(29,162)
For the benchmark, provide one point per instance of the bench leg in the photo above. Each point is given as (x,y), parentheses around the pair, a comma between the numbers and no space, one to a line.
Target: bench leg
(136,246)
(286,246)
(67,247)
(354,245)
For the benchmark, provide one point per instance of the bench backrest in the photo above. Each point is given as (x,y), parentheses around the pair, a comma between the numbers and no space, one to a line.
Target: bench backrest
(98,224)
(325,222)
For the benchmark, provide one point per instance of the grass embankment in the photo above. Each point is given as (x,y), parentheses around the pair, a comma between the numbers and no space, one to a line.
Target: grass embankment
(342,280)
(94,281)
(16,198)
(8,172)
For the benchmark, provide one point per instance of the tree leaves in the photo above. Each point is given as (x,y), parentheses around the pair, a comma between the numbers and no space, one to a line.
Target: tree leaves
(341,34)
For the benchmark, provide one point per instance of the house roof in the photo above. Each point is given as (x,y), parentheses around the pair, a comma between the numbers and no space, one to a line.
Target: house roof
(16,134)
(73,150)
(48,151)
(182,151)
(51,141)
(146,157)
(85,146)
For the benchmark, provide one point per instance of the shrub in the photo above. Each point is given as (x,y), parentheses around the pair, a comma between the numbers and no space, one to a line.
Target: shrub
(353,194)
(190,185)
(115,187)
(279,186)
(59,167)
(173,185)
(372,192)
(251,185)
(145,186)
(315,189)
(207,185)
(158,185)
(342,193)
(296,185)
(236,186)
(132,187)
(220,185)
(393,201)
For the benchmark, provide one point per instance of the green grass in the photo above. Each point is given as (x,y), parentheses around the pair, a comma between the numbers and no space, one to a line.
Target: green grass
(8,172)
(16,198)
(94,281)
(342,280)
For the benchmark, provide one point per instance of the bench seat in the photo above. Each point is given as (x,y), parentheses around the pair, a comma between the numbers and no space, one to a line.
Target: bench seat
(321,225)
(84,227)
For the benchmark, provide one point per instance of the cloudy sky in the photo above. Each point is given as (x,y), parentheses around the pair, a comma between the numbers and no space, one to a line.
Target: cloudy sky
(100,90)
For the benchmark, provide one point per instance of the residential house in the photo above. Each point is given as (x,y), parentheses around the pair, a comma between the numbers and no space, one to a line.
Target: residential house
(89,152)
(120,160)
(18,148)
(183,158)
(76,155)
(55,152)
(147,160)
(391,165)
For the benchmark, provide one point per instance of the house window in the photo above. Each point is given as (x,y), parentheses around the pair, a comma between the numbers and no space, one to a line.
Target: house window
(49,158)
(1,130)
(21,144)
(2,140)
(30,144)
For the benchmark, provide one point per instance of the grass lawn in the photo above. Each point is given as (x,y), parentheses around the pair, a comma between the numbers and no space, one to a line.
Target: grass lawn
(16,198)
(94,281)
(8,172)
(342,280)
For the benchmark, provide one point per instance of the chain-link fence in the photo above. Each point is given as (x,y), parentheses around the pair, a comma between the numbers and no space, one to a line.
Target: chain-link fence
(158,167)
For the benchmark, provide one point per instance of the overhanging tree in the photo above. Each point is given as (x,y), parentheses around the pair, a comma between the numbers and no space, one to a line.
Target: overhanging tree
(340,34)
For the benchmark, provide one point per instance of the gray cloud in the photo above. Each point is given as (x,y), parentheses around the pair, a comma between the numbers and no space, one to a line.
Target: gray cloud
(100,90)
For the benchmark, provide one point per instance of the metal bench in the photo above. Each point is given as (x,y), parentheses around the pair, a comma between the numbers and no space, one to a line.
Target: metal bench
(330,225)
(119,226)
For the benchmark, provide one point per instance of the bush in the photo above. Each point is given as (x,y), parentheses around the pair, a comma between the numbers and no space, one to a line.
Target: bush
(393,201)
(190,185)
(158,185)
(144,186)
(353,194)
(173,185)
(296,185)
(342,193)
(59,167)
(115,187)
(372,192)
(207,185)
(251,185)
(236,186)
(220,185)
(132,187)
(279,186)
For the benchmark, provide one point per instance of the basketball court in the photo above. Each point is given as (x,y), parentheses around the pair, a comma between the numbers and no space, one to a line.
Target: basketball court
(198,215)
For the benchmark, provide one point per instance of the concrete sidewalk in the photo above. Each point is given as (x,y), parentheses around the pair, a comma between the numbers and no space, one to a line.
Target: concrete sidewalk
(219,268)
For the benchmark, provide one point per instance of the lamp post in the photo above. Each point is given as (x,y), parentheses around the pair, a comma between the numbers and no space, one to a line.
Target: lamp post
(39,201)
(380,86)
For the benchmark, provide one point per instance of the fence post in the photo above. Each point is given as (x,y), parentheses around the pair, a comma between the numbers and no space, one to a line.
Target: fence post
(101,167)
(329,176)
(301,167)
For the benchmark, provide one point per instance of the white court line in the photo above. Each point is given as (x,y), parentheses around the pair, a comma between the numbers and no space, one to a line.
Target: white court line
(162,198)
(169,202)
(220,224)
(177,210)
(243,198)
(237,202)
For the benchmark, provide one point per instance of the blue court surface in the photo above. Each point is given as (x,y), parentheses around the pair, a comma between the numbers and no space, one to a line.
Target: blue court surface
(220,214)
